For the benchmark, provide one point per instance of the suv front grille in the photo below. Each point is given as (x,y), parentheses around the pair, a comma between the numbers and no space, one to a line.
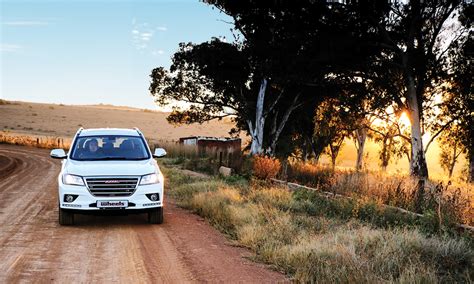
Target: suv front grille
(112,186)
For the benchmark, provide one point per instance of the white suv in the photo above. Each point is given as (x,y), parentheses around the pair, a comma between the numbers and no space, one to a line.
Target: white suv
(109,170)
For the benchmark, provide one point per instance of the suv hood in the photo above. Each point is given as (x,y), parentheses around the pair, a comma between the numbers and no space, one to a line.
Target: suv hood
(111,168)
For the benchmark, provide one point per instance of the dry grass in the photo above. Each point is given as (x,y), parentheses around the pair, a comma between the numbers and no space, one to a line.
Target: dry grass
(34,141)
(311,175)
(317,247)
(176,150)
(63,120)
(453,202)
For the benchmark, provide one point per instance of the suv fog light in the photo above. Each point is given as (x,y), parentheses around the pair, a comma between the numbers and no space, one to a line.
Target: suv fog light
(153,196)
(70,198)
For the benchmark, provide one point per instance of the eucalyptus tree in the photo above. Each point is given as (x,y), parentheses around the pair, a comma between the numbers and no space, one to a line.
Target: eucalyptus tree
(416,37)
(286,57)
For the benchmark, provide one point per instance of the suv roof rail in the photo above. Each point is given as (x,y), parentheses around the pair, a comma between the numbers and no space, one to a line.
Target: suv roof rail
(138,130)
(79,130)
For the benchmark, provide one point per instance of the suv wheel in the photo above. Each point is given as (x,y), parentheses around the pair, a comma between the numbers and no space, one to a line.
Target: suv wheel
(155,216)
(66,217)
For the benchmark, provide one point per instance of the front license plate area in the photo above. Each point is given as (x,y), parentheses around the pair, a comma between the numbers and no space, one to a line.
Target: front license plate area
(112,204)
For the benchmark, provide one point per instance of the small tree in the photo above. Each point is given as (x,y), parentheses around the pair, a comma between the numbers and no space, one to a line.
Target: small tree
(451,148)
(392,145)
(332,124)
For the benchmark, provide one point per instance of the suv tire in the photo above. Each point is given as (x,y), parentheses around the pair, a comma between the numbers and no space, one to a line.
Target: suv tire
(66,217)
(155,216)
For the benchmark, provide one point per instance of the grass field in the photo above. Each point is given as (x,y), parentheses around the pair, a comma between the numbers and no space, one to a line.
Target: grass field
(55,120)
(314,240)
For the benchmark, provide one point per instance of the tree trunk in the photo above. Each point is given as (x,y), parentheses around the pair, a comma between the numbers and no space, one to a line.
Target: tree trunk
(333,161)
(284,169)
(418,167)
(334,153)
(471,165)
(361,137)
(316,152)
(451,169)
(257,132)
(276,131)
(453,161)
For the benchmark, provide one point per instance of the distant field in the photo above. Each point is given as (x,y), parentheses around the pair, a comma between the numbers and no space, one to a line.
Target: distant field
(64,120)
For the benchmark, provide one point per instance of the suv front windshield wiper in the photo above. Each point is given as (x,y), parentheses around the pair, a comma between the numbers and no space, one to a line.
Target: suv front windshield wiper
(112,158)
(104,158)
(119,158)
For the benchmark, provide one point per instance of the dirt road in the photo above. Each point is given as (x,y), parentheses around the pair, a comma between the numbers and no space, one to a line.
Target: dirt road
(34,248)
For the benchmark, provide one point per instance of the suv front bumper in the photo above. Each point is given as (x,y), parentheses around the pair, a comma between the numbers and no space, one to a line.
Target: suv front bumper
(85,201)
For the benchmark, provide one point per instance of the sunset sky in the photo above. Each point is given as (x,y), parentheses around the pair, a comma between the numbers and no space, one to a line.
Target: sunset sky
(90,52)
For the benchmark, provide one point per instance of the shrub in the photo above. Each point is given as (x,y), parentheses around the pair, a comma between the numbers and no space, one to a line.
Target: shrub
(265,167)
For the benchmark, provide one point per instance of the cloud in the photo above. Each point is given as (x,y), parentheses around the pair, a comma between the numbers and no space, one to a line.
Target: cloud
(157,52)
(142,34)
(141,46)
(146,36)
(10,47)
(25,23)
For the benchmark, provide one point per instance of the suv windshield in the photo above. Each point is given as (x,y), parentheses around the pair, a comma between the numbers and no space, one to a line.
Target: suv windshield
(108,147)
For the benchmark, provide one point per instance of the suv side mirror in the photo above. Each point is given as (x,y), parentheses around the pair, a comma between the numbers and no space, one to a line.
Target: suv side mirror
(159,152)
(58,154)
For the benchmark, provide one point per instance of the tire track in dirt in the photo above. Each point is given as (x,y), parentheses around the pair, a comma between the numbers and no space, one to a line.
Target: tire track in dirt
(8,165)
(34,248)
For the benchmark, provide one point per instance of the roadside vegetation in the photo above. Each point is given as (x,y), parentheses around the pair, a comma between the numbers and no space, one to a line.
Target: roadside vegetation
(451,202)
(316,239)
(39,141)
(443,204)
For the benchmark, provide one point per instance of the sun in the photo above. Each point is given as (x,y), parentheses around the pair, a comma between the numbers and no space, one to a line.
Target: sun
(404,119)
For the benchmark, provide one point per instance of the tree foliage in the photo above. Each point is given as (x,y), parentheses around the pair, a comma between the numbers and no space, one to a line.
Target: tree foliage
(301,78)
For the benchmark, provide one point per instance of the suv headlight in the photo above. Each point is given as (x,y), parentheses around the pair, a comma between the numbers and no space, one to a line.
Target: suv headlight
(150,179)
(72,179)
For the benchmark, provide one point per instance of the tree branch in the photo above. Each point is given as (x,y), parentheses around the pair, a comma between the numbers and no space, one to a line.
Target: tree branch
(438,133)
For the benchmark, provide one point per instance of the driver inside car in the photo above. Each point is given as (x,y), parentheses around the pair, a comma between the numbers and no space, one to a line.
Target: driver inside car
(92,149)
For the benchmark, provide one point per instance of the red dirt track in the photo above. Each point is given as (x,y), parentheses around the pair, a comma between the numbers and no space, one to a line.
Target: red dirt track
(35,248)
